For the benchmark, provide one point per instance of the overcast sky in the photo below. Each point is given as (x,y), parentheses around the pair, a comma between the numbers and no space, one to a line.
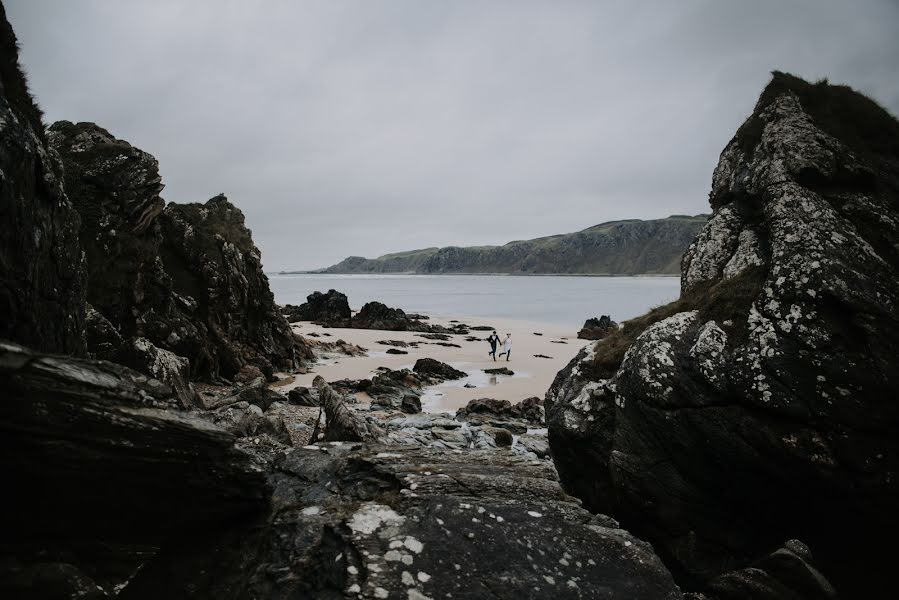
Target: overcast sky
(371,126)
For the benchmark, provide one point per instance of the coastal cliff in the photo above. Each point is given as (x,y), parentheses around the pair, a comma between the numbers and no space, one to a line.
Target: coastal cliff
(186,277)
(760,406)
(615,248)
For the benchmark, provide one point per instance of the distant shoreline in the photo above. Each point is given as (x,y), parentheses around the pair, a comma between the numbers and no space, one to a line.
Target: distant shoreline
(483,274)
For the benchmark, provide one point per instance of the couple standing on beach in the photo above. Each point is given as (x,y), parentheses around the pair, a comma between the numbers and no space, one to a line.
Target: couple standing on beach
(507,346)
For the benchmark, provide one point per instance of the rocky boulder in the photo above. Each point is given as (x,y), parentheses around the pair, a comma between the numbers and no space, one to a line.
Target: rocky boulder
(375,315)
(42,268)
(776,370)
(596,329)
(141,355)
(331,309)
(436,370)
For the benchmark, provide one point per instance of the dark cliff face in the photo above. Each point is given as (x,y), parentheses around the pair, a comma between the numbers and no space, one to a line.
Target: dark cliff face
(115,188)
(619,247)
(760,405)
(188,278)
(41,265)
(216,271)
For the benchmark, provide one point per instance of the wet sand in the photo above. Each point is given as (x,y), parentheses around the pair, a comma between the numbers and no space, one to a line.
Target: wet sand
(532,377)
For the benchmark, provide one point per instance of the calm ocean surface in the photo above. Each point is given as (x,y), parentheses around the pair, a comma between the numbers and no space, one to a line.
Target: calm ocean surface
(558,300)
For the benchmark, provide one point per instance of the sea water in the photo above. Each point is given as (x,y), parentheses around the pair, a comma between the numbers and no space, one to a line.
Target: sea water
(560,300)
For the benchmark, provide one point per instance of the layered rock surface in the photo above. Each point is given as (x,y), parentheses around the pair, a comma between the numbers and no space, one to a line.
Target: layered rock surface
(761,404)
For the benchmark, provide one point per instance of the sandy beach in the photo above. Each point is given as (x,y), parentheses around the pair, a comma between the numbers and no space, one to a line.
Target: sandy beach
(532,374)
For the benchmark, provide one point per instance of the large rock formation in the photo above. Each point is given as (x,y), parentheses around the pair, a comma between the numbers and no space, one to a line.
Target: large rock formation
(216,270)
(761,405)
(186,277)
(104,469)
(617,247)
(331,309)
(41,266)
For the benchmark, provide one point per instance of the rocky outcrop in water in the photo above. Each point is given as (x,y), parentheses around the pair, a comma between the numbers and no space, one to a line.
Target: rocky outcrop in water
(331,309)
(616,247)
(41,266)
(759,406)
(596,329)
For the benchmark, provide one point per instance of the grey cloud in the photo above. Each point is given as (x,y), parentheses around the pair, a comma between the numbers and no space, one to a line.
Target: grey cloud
(365,127)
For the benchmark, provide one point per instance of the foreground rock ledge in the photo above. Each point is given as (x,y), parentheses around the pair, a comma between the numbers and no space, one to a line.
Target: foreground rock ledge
(386,521)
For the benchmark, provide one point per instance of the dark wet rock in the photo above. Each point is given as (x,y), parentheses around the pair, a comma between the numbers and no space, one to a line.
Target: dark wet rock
(102,338)
(434,336)
(558,341)
(529,409)
(395,351)
(469,385)
(541,356)
(417,317)
(503,437)
(331,309)
(254,392)
(788,572)
(350,518)
(84,440)
(774,369)
(141,355)
(326,349)
(302,396)
(472,338)
(445,344)
(436,370)
(500,371)
(43,274)
(376,315)
(47,580)
(482,328)
(389,387)
(411,404)
(596,329)
(537,333)
(395,343)
(345,386)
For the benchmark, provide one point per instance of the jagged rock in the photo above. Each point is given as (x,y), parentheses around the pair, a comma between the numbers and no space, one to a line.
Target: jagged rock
(395,351)
(341,423)
(411,404)
(500,371)
(141,355)
(331,309)
(42,269)
(187,277)
(213,261)
(774,369)
(391,521)
(596,329)
(436,370)
(101,459)
(103,339)
(302,396)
